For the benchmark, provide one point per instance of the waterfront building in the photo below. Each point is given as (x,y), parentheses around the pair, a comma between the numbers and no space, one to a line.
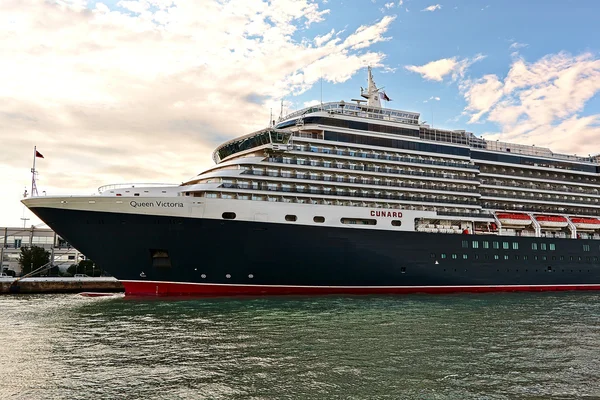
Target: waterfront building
(13,238)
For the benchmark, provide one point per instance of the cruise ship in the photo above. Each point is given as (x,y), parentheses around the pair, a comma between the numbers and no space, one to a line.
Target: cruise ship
(349,198)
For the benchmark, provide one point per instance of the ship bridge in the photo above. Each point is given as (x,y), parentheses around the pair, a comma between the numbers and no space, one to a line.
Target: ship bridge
(352,110)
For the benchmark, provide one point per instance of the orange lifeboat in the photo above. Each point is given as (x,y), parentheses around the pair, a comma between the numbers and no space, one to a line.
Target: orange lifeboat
(514,219)
(551,221)
(585,223)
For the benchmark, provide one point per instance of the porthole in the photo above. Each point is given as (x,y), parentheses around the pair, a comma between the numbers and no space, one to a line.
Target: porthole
(203,276)
(318,219)
(228,215)
(250,276)
(228,276)
(396,222)
(291,218)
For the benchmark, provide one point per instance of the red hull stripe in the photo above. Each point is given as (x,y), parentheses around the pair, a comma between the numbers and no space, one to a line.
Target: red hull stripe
(150,288)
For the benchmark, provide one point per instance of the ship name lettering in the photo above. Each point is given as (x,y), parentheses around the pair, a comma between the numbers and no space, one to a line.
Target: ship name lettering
(166,204)
(389,214)
(135,204)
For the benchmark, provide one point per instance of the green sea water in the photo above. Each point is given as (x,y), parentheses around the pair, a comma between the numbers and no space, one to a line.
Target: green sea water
(488,346)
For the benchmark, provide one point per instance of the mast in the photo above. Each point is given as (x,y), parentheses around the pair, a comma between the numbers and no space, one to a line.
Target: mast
(33,186)
(372,92)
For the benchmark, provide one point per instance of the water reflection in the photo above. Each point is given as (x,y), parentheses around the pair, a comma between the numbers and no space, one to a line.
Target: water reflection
(460,346)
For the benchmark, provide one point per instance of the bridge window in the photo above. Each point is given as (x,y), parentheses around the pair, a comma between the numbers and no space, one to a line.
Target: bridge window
(505,245)
(533,246)
(496,245)
(542,246)
(586,247)
(515,246)
(552,246)
(475,244)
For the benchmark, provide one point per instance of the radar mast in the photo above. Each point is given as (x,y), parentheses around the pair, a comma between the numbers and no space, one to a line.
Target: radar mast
(372,92)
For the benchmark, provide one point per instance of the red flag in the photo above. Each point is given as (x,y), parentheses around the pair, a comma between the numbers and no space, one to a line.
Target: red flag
(385,97)
(38,154)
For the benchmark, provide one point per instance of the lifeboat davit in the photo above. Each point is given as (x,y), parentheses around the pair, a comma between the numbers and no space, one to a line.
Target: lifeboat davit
(585,223)
(551,221)
(514,219)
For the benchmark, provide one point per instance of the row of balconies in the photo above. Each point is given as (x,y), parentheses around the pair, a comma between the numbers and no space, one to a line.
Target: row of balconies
(540,186)
(540,196)
(530,173)
(375,155)
(352,192)
(382,168)
(366,180)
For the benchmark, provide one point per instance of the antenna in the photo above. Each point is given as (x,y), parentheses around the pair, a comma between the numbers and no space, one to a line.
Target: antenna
(281,111)
(321,90)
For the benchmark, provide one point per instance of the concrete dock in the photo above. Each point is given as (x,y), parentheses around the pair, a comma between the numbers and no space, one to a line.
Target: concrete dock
(59,285)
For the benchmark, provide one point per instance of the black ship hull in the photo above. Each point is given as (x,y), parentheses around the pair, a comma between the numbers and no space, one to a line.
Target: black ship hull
(156,255)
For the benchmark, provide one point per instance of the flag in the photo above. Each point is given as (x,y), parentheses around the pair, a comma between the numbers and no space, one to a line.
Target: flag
(38,154)
(385,96)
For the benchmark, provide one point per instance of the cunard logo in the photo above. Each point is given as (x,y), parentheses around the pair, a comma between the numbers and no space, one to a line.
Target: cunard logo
(388,214)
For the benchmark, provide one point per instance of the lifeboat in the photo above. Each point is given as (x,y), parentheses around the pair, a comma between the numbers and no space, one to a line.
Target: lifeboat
(551,221)
(514,219)
(585,223)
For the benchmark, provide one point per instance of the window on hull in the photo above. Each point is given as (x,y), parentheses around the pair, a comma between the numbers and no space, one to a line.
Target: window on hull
(358,221)
(229,215)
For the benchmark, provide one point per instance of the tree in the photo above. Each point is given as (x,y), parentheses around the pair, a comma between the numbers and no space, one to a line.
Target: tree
(33,256)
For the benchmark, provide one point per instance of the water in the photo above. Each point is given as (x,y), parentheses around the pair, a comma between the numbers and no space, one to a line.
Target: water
(492,346)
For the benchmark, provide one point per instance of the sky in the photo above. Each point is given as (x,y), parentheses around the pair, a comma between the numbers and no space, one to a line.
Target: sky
(122,91)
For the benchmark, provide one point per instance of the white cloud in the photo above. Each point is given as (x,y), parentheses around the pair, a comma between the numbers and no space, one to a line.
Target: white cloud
(540,102)
(432,98)
(437,70)
(389,5)
(432,7)
(517,45)
(146,94)
(311,103)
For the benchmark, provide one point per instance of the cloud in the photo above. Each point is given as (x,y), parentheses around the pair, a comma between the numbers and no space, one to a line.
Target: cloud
(540,102)
(432,98)
(517,45)
(145,90)
(437,70)
(311,103)
(432,8)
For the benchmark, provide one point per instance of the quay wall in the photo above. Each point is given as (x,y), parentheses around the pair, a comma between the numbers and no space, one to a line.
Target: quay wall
(59,285)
